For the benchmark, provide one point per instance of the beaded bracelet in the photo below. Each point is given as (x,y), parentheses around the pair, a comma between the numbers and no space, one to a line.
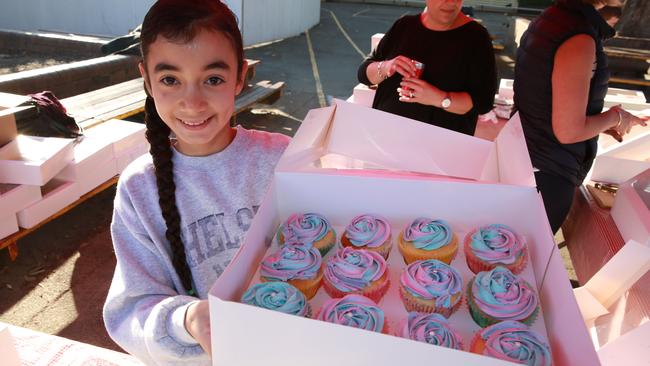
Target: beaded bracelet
(381,75)
(620,118)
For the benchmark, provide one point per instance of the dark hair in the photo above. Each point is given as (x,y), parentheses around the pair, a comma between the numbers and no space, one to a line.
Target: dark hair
(179,20)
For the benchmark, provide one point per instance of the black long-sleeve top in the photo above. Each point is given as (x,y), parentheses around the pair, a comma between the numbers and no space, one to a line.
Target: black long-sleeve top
(456,60)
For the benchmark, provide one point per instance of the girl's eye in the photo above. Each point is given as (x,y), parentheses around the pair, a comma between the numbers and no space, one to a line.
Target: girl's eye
(168,80)
(214,80)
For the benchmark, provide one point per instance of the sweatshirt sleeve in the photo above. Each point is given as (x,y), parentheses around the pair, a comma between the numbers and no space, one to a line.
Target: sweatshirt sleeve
(379,54)
(143,307)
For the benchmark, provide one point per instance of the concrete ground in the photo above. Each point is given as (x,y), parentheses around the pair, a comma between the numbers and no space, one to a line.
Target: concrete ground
(60,279)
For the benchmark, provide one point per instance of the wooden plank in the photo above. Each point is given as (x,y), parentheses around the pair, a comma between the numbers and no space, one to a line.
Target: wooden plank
(637,82)
(262,92)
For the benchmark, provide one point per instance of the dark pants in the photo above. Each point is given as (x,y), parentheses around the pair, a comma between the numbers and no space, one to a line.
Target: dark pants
(557,194)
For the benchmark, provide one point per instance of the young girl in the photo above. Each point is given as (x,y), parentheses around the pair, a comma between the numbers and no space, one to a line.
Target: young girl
(180,213)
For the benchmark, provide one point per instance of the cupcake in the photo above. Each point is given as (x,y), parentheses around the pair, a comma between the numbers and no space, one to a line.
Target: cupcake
(430,328)
(310,229)
(498,295)
(299,265)
(352,271)
(495,245)
(431,286)
(514,342)
(278,296)
(368,232)
(428,239)
(355,311)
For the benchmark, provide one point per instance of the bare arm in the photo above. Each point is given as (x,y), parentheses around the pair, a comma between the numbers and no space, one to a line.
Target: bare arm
(572,72)
(425,93)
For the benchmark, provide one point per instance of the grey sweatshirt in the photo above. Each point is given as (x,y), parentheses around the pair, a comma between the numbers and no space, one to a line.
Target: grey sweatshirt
(217,197)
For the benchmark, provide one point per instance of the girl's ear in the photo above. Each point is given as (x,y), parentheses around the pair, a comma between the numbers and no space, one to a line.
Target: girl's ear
(242,78)
(143,73)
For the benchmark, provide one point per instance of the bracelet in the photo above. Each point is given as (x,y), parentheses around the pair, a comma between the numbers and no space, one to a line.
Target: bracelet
(381,75)
(620,118)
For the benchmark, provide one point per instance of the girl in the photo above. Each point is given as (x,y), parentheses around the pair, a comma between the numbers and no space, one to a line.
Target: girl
(181,212)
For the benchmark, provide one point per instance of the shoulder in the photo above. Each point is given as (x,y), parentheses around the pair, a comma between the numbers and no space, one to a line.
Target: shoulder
(137,173)
(265,143)
(406,21)
(476,30)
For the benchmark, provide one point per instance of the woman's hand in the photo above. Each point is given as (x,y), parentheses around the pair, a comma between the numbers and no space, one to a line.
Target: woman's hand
(197,323)
(413,90)
(627,120)
(400,64)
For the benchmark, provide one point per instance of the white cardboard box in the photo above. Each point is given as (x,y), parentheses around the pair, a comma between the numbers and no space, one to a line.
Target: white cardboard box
(94,163)
(362,95)
(127,156)
(14,198)
(57,194)
(34,160)
(400,197)
(391,142)
(8,347)
(631,209)
(124,135)
(506,90)
(623,161)
(8,130)
(8,225)
(374,40)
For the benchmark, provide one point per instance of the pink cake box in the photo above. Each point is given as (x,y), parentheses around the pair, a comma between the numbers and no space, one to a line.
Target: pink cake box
(8,225)
(621,162)
(57,194)
(339,197)
(94,163)
(34,160)
(631,209)
(124,135)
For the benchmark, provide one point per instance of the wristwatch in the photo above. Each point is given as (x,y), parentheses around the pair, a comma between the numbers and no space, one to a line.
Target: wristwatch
(446,101)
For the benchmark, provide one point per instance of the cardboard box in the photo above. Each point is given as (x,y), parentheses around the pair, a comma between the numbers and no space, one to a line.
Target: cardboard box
(374,41)
(362,95)
(631,210)
(630,100)
(8,347)
(93,164)
(8,225)
(34,160)
(127,156)
(124,135)
(8,130)
(506,89)
(14,198)
(623,161)
(57,194)
(395,143)
(246,335)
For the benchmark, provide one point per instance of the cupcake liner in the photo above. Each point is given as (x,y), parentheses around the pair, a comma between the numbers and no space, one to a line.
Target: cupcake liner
(326,243)
(477,265)
(483,320)
(411,303)
(411,254)
(477,344)
(309,288)
(374,292)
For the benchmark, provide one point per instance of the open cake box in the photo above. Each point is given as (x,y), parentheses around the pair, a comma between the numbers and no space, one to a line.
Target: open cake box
(348,160)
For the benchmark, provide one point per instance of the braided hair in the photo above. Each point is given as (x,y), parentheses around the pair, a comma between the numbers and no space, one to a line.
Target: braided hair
(181,21)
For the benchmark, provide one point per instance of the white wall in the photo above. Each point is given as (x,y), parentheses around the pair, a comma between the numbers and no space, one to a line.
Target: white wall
(260,20)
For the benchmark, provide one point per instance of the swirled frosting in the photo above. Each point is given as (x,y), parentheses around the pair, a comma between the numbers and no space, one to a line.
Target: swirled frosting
(352,269)
(515,342)
(503,295)
(292,262)
(430,328)
(432,279)
(497,244)
(279,296)
(354,311)
(305,228)
(368,230)
(428,234)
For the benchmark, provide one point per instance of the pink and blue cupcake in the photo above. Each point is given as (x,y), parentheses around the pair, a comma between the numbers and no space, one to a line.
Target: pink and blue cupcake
(514,342)
(352,271)
(425,238)
(431,286)
(495,245)
(310,229)
(277,296)
(369,232)
(430,328)
(354,311)
(499,295)
(299,265)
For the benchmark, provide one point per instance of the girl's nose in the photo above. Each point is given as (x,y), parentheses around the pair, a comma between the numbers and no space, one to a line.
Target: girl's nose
(193,98)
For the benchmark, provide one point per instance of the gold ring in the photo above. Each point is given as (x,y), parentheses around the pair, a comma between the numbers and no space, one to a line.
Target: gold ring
(411,95)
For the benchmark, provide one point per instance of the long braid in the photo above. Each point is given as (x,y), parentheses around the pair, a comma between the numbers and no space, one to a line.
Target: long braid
(161,151)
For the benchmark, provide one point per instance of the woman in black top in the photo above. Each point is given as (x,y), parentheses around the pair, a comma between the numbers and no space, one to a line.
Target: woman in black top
(561,79)
(459,79)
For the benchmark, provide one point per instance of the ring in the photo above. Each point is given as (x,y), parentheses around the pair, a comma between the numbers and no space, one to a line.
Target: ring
(411,95)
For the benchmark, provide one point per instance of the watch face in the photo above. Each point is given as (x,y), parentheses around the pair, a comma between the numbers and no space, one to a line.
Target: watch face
(446,103)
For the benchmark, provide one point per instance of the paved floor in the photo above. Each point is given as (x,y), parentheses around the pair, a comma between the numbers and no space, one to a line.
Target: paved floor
(60,279)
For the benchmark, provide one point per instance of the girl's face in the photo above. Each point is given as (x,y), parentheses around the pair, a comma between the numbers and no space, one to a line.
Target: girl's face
(194,85)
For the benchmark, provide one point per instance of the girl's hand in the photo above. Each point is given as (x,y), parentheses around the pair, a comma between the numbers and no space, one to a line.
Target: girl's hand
(413,90)
(400,64)
(197,323)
